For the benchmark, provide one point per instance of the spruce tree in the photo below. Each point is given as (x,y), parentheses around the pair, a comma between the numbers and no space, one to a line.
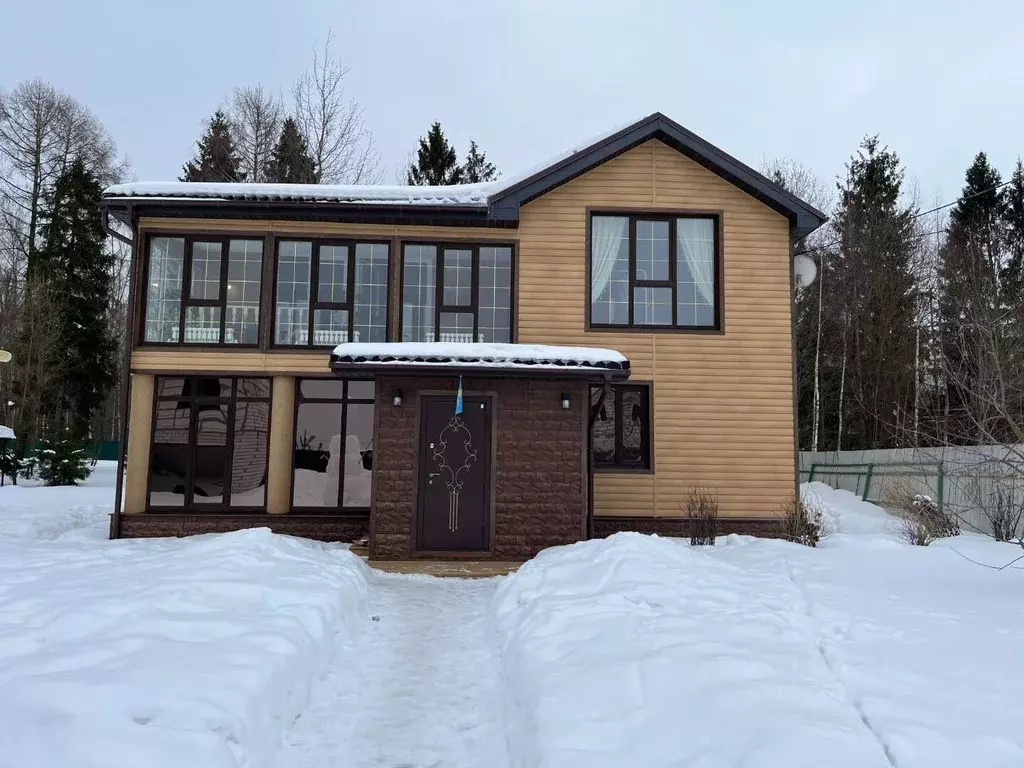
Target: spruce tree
(436,161)
(77,266)
(216,159)
(876,297)
(477,168)
(1013,273)
(63,460)
(290,161)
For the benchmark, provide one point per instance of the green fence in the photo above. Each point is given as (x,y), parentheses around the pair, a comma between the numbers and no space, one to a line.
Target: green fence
(106,450)
(869,478)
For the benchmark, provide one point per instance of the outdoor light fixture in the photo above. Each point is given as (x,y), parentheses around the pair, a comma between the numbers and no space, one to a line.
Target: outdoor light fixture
(565,401)
(396,398)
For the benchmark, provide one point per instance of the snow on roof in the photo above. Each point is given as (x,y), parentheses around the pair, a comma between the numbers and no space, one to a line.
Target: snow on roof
(480,355)
(6,433)
(469,195)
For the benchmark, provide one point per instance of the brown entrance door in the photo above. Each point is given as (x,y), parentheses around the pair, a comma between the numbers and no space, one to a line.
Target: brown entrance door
(455,474)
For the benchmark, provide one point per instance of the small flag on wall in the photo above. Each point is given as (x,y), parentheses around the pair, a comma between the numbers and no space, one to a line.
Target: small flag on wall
(458,398)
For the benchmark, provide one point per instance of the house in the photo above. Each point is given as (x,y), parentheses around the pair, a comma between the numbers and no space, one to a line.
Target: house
(489,369)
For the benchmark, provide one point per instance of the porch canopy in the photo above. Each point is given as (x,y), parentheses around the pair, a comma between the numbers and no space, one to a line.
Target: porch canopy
(356,360)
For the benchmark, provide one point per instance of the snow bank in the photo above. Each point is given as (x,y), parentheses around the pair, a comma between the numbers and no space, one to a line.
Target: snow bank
(166,652)
(28,511)
(635,650)
(846,512)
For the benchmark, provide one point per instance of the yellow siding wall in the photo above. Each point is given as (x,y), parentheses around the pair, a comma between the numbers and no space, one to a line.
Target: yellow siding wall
(723,403)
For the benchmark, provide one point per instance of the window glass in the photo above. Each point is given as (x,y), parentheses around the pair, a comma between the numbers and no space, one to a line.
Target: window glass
(371,293)
(620,435)
(291,313)
(205,283)
(163,292)
(249,454)
(457,327)
(495,320)
(202,325)
(169,454)
(333,453)
(330,326)
(652,249)
(695,272)
(458,277)
(245,275)
(211,455)
(652,306)
(609,270)
(419,274)
(333,274)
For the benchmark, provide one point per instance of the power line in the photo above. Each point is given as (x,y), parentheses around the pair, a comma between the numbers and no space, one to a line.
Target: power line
(960,199)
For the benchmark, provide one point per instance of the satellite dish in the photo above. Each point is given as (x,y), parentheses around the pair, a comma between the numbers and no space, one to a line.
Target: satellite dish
(805,270)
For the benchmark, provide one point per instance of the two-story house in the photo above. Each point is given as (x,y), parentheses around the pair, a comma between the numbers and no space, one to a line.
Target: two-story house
(620,322)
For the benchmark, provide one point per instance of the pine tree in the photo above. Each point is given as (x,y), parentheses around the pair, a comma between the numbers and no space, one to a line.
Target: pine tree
(873,292)
(63,461)
(1013,273)
(290,161)
(216,159)
(477,168)
(436,161)
(78,267)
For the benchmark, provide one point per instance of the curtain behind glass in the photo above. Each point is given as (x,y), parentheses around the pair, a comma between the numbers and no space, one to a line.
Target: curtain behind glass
(607,234)
(696,246)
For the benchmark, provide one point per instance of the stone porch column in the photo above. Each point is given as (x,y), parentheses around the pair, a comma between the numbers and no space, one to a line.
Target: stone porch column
(279,461)
(140,432)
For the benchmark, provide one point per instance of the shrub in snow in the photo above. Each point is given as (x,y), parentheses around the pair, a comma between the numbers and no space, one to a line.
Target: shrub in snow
(1005,514)
(63,462)
(920,520)
(801,521)
(701,508)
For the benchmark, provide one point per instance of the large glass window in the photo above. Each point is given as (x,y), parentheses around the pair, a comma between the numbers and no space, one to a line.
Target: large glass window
(222,302)
(621,419)
(654,271)
(209,444)
(457,293)
(329,293)
(333,454)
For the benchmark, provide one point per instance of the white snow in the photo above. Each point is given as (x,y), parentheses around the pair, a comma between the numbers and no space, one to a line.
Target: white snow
(6,433)
(160,652)
(434,353)
(863,652)
(261,651)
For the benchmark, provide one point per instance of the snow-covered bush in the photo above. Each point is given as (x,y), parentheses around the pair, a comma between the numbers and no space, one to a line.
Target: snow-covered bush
(802,521)
(701,510)
(63,462)
(920,520)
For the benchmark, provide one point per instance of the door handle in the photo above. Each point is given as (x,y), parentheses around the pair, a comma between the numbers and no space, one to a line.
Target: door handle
(434,474)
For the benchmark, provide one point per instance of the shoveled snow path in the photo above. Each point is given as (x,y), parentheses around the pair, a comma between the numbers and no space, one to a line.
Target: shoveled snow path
(420,687)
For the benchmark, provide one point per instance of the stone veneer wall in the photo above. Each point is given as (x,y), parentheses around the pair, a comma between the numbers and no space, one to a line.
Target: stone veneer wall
(321,527)
(540,492)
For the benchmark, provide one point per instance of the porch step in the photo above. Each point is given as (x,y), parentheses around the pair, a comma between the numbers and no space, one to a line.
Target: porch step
(466,569)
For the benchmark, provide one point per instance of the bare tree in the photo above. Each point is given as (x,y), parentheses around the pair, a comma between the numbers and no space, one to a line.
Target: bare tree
(255,116)
(332,124)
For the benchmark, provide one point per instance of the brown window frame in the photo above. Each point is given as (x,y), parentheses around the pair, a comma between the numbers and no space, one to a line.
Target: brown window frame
(316,243)
(188,505)
(669,216)
(474,305)
(646,390)
(186,288)
(344,400)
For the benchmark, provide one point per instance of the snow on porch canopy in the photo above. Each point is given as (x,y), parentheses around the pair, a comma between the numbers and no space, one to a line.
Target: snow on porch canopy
(6,433)
(507,360)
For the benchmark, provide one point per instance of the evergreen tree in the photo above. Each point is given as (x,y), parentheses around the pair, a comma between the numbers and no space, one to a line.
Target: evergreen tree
(874,295)
(216,159)
(1013,273)
(477,168)
(63,461)
(290,161)
(436,161)
(970,268)
(78,268)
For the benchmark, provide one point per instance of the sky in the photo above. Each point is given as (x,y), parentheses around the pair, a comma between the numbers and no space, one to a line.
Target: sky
(938,81)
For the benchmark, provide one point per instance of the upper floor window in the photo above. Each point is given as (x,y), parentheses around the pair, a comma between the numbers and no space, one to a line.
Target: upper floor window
(654,271)
(330,292)
(457,293)
(203,290)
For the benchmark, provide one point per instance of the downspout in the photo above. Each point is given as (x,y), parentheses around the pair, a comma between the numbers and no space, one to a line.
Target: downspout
(115,518)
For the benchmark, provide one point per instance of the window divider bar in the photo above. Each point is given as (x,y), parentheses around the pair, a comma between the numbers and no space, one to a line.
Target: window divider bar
(350,288)
(631,266)
(186,288)
(474,289)
(222,294)
(672,278)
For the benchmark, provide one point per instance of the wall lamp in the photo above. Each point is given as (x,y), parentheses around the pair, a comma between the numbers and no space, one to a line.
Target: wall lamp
(566,401)
(396,398)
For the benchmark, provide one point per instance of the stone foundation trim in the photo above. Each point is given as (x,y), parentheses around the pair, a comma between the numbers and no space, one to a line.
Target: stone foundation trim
(320,527)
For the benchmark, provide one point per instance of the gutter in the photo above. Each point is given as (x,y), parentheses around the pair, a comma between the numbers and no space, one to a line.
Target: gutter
(122,452)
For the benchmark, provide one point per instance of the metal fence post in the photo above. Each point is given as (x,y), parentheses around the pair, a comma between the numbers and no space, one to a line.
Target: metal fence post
(810,476)
(867,482)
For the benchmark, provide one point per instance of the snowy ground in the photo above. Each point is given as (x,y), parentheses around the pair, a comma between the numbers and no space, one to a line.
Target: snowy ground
(250,649)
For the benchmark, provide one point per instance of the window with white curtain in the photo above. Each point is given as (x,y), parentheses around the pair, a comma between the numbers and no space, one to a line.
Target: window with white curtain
(654,271)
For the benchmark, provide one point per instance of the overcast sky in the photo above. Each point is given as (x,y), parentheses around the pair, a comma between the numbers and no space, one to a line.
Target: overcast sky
(939,81)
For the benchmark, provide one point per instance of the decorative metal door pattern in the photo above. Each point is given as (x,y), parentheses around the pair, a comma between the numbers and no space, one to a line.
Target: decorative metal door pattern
(454,499)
